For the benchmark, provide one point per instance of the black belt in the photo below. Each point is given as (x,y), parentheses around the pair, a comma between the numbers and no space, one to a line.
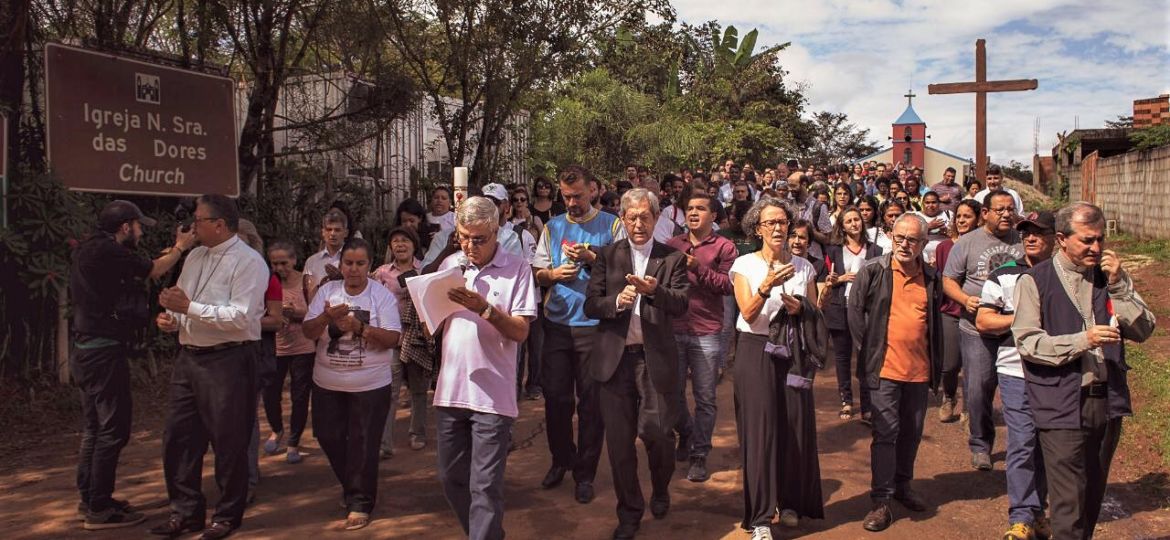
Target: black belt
(214,348)
(1095,390)
(635,349)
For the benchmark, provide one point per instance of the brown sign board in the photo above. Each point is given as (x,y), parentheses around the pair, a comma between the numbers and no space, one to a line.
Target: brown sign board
(121,125)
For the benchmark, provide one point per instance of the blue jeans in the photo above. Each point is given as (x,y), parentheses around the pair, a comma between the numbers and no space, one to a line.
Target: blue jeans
(1026,484)
(979,389)
(700,356)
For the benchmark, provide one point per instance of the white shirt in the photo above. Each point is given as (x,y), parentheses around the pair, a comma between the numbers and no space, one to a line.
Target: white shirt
(1019,202)
(641,256)
(753,268)
(315,264)
(226,286)
(446,222)
(852,264)
(343,362)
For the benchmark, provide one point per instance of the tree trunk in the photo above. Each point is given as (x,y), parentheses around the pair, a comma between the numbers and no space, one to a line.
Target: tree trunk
(14,22)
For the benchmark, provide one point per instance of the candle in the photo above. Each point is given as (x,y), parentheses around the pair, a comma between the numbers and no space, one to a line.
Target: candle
(459,183)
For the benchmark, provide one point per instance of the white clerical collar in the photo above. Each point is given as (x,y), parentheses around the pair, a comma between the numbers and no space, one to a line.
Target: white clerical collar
(222,247)
(644,249)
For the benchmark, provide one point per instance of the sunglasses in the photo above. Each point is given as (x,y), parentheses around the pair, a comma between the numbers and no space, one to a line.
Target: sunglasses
(519,199)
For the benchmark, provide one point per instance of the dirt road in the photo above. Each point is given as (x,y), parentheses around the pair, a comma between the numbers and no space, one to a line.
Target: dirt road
(37,498)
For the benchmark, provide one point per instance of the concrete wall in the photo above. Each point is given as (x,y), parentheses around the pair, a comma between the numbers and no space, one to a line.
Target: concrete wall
(936,163)
(1134,189)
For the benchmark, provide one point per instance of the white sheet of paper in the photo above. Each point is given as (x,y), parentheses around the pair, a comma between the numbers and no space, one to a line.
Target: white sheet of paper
(429,294)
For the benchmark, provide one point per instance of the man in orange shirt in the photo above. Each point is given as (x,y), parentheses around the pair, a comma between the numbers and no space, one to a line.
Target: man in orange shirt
(894,318)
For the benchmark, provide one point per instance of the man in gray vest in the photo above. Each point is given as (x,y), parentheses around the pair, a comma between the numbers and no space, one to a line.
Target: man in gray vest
(1072,312)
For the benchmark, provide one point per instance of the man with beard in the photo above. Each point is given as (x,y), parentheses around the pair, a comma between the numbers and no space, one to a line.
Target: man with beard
(563,262)
(109,308)
(972,259)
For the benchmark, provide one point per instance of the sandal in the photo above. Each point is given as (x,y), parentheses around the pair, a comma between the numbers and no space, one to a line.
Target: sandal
(356,520)
(846,411)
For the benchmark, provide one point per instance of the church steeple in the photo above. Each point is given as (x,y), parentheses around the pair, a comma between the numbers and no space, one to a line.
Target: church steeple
(909,135)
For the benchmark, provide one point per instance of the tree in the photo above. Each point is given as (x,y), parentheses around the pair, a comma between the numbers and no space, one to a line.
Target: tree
(477,61)
(1151,137)
(1018,171)
(833,138)
(1122,122)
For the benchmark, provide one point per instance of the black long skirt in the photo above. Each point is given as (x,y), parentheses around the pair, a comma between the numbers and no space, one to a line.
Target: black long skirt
(760,418)
(801,489)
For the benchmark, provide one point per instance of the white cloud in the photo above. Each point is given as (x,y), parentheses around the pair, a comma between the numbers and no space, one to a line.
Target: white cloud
(859,57)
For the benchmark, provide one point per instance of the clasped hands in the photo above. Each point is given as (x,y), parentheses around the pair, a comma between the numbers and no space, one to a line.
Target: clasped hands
(635,285)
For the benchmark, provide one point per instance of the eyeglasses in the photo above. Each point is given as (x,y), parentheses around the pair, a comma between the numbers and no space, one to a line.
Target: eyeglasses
(473,240)
(908,240)
(198,219)
(641,218)
(1004,210)
(519,200)
(773,223)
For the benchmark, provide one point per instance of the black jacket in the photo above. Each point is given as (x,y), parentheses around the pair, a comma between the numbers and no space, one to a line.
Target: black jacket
(835,309)
(802,338)
(607,279)
(869,317)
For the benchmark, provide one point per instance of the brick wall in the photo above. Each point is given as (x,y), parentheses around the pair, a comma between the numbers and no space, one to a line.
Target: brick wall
(1134,189)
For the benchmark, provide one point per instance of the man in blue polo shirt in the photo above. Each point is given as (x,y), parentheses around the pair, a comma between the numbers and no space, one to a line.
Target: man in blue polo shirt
(566,249)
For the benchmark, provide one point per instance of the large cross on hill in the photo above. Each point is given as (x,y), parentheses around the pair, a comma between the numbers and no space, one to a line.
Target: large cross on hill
(980,87)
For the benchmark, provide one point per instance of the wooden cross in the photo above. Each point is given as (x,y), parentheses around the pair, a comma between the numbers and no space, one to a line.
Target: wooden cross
(910,95)
(980,88)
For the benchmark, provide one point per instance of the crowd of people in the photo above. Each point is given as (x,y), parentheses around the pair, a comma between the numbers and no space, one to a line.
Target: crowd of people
(604,299)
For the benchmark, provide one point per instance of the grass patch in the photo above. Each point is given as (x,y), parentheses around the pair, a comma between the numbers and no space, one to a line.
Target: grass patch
(1151,377)
(1156,249)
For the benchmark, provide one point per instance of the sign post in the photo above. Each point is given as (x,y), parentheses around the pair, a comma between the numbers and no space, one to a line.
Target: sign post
(3,171)
(120,125)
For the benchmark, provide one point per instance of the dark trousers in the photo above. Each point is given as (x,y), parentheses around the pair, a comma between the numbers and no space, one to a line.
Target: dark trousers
(530,356)
(473,452)
(300,369)
(633,408)
(843,357)
(899,410)
(952,358)
(761,413)
(567,387)
(1076,462)
(103,380)
(348,426)
(213,400)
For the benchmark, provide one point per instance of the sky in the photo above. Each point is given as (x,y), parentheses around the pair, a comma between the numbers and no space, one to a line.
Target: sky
(860,56)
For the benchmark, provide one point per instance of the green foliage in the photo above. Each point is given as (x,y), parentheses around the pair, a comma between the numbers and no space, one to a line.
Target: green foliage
(1151,137)
(1152,381)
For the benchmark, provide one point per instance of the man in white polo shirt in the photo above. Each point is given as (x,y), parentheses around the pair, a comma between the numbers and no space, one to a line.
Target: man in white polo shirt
(475,393)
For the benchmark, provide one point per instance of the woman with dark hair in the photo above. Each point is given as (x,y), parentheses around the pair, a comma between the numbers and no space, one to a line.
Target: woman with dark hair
(850,249)
(842,198)
(888,213)
(765,282)
(413,216)
(966,219)
(412,365)
(544,203)
(868,205)
(356,323)
(973,187)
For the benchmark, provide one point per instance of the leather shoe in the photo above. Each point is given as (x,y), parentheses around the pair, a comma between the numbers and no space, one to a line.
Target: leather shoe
(584,492)
(217,530)
(981,461)
(626,531)
(555,475)
(698,470)
(911,500)
(878,519)
(175,526)
(659,506)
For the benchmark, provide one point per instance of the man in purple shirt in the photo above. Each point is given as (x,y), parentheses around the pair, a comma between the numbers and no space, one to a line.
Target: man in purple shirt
(949,193)
(709,257)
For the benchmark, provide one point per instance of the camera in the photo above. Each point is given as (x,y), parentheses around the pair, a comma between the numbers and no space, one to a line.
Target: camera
(183,213)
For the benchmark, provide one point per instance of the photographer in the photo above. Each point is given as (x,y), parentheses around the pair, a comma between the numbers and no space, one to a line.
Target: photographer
(109,307)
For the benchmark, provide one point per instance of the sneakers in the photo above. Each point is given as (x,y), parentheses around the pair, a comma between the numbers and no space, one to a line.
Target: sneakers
(273,443)
(293,456)
(112,518)
(83,507)
(417,442)
(698,471)
(1020,531)
(762,532)
(788,518)
(946,411)
(981,461)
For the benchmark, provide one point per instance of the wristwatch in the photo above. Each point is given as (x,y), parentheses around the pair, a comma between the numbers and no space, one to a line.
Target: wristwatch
(486,314)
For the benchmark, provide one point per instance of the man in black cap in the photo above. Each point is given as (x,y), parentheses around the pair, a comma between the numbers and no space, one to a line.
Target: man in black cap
(1027,492)
(109,308)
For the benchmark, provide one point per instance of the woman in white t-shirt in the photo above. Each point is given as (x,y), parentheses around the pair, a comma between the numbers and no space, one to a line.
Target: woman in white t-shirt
(765,282)
(356,324)
(441,213)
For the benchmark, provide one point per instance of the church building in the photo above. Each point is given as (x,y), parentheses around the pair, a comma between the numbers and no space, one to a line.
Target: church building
(908,134)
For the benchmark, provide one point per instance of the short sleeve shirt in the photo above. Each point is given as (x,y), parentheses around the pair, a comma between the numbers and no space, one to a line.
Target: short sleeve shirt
(345,362)
(999,295)
(478,371)
(973,258)
(753,268)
